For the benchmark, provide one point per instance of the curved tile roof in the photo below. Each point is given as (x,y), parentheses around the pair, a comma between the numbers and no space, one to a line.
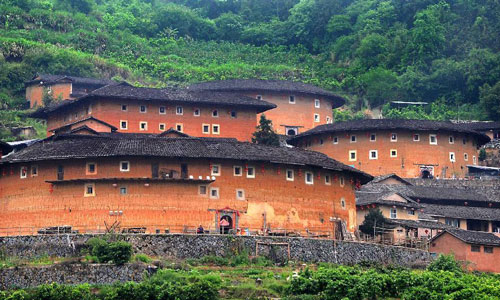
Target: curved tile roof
(51,79)
(241,85)
(472,237)
(390,124)
(175,95)
(146,145)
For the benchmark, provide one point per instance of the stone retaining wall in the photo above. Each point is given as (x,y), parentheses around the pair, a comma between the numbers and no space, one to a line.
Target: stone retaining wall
(197,246)
(25,277)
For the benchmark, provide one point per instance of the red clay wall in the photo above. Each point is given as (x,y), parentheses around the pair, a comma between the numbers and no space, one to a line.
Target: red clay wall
(290,205)
(242,127)
(34,93)
(479,261)
(410,154)
(299,114)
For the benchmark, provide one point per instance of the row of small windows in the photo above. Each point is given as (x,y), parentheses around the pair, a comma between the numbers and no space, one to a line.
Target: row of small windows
(394,213)
(179,110)
(433,138)
(289,174)
(143,126)
(216,170)
(373,154)
(292,100)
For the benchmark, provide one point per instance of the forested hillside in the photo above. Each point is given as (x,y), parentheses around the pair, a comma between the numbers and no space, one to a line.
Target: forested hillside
(371,51)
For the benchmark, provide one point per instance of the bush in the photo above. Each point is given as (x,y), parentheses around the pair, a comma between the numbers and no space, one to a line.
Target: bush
(143,258)
(117,252)
(445,263)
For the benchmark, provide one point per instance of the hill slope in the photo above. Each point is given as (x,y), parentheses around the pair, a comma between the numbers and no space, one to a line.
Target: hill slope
(373,51)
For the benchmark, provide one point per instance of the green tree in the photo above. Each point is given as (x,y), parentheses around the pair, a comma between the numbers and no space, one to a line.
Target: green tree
(372,222)
(229,26)
(490,100)
(482,154)
(265,135)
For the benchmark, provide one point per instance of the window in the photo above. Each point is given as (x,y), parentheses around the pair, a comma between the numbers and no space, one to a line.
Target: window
(353,139)
(215,113)
(124,107)
(373,154)
(143,109)
(240,194)
(162,110)
(196,112)
(411,212)
(433,139)
(394,153)
(291,99)
(464,141)
(342,181)
(328,180)
(215,129)
(143,126)
(89,190)
(317,103)
(328,120)
(321,142)
(205,128)
(250,172)
(202,189)
(237,171)
(123,190)
(34,171)
(342,202)
(214,193)
(394,213)
(179,127)
(452,157)
(123,125)
(289,174)
(416,137)
(124,166)
(161,126)
(352,155)
(474,161)
(259,97)
(373,137)
(309,178)
(394,137)
(179,110)
(452,222)
(335,140)
(475,248)
(91,168)
(466,156)
(488,249)
(451,139)
(216,170)
(316,118)
(24,172)
(234,114)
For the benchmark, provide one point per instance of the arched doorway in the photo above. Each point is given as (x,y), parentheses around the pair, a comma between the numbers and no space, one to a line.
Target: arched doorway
(291,132)
(225,224)
(426,174)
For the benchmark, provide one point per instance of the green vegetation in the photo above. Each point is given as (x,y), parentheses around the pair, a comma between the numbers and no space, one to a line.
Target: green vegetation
(443,279)
(372,223)
(265,134)
(104,251)
(371,51)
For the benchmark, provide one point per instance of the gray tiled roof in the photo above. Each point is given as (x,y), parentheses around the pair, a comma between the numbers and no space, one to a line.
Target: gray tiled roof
(50,79)
(389,124)
(366,198)
(147,145)
(174,95)
(462,212)
(473,237)
(242,85)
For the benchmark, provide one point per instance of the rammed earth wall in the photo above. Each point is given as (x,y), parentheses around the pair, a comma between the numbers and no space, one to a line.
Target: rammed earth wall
(197,246)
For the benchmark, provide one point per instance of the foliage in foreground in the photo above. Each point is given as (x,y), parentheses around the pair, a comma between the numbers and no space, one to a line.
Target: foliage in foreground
(118,252)
(444,279)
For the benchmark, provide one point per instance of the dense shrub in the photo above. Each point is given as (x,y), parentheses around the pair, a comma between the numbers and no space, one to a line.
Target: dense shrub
(118,252)
(445,263)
